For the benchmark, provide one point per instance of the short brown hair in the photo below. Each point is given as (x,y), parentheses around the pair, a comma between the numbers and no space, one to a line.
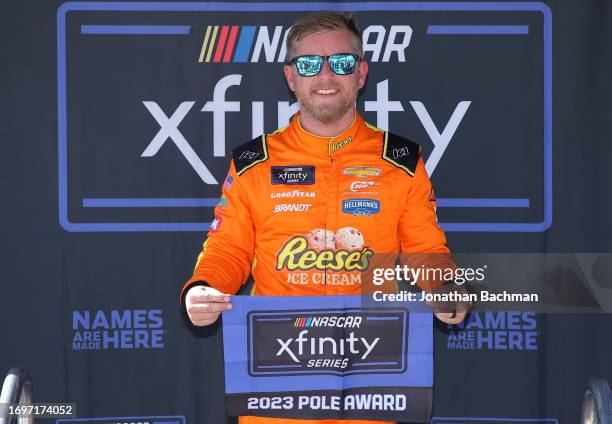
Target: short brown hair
(318,21)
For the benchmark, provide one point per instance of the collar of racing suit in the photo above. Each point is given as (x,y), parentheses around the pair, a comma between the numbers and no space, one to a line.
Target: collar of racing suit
(326,147)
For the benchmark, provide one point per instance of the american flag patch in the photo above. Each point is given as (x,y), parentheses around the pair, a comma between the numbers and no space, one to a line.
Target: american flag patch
(215,225)
(229,180)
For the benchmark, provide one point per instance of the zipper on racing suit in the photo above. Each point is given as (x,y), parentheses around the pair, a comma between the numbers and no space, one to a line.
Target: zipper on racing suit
(331,204)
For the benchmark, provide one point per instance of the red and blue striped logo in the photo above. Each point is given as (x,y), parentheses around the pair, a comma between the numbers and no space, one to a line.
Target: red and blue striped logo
(227,43)
(302,322)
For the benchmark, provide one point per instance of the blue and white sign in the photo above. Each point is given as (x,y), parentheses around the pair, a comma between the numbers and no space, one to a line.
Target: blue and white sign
(327,357)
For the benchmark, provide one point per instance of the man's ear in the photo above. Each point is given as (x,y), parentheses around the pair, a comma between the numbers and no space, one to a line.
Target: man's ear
(363,72)
(289,77)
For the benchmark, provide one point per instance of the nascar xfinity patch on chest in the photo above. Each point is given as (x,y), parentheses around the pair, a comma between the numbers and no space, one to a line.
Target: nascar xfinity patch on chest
(293,175)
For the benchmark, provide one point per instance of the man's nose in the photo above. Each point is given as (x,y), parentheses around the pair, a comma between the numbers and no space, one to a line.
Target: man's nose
(326,71)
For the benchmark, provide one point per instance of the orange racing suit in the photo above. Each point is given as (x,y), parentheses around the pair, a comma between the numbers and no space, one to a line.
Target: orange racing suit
(304,214)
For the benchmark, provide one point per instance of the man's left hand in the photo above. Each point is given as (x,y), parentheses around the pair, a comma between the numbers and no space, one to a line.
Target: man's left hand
(450,312)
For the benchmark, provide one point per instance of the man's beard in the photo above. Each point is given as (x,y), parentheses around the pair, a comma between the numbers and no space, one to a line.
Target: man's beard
(327,113)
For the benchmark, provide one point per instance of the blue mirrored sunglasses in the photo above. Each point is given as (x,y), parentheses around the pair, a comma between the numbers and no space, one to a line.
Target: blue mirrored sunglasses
(310,65)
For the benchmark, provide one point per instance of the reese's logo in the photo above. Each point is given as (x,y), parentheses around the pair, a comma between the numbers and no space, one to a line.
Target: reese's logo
(327,341)
(334,146)
(297,255)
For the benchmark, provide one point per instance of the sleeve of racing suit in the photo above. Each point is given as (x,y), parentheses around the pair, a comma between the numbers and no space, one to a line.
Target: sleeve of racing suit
(227,254)
(422,241)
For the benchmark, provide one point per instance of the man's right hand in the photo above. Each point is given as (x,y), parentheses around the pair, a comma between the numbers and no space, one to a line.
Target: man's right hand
(205,304)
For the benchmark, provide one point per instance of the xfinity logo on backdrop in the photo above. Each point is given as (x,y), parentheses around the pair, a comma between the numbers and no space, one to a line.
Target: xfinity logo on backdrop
(509,330)
(219,107)
(118,329)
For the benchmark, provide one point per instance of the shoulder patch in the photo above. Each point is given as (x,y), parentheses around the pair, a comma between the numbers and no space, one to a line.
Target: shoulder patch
(249,154)
(401,152)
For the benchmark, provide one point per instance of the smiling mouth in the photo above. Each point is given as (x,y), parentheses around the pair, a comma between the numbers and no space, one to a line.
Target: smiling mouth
(326,91)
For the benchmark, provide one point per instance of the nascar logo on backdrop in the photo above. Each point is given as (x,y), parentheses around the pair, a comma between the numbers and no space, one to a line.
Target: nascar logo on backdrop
(240,44)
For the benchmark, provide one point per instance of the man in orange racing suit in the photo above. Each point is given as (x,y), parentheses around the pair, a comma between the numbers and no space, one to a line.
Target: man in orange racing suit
(304,208)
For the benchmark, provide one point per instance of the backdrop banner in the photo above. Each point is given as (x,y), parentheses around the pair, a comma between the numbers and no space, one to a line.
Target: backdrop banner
(118,119)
